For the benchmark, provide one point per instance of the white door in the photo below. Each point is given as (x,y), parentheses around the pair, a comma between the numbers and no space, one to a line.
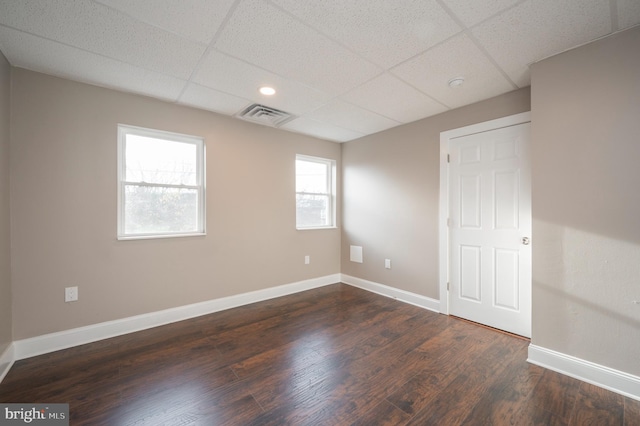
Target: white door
(490,228)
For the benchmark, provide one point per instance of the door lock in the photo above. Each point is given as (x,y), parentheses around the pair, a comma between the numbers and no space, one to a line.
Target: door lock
(525,241)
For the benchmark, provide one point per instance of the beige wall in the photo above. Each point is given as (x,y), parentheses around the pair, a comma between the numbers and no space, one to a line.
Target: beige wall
(586,202)
(63,171)
(586,238)
(390,195)
(5,246)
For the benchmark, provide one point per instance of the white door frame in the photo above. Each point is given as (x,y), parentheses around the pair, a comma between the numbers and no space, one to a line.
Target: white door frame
(443,228)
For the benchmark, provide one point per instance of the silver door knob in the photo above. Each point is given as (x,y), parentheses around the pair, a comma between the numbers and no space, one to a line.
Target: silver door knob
(525,241)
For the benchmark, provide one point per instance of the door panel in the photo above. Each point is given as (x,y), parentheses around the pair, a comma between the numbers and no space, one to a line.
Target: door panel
(490,212)
(470,273)
(506,184)
(506,288)
(470,207)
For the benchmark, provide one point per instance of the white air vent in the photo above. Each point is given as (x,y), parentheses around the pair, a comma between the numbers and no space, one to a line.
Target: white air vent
(265,115)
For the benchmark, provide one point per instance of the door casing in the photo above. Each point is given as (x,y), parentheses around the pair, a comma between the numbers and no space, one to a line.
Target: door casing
(443,227)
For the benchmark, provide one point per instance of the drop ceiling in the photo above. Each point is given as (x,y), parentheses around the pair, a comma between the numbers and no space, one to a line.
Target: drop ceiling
(343,68)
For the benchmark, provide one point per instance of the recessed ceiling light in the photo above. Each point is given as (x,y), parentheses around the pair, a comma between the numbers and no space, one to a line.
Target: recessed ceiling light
(267,91)
(456,82)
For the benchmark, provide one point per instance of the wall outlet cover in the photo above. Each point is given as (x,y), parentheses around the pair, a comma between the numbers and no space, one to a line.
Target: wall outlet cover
(71,294)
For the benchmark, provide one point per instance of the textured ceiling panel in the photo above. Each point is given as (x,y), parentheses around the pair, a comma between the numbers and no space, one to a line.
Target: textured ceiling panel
(385,32)
(196,20)
(96,28)
(262,34)
(391,97)
(457,57)
(212,100)
(536,29)
(628,12)
(473,12)
(221,72)
(351,117)
(345,68)
(315,128)
(35,53)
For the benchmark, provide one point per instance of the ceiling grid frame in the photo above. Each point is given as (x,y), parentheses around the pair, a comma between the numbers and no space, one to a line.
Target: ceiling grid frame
(157,35)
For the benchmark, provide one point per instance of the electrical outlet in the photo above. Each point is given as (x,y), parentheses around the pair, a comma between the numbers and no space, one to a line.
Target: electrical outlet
(71,294)
(307,260)
(387,263)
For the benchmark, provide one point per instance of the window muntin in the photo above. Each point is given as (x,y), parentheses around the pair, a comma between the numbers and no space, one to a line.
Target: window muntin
(315,192)
(160,184)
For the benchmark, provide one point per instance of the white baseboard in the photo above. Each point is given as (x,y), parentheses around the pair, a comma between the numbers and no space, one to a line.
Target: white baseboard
(608,378)
(394,293)
(604,377)
(39,345)
(7,359)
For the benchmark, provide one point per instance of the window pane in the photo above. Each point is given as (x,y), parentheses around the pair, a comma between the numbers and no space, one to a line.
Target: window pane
(311,176)
(160,161)
(160,210)
(312,210)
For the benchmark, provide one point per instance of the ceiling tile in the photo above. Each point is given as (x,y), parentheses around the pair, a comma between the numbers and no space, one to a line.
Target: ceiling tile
(351,117)
(221,72)
(196,20)
(537,29)
(457,57)
(345,68)
(628,13)
(395,99)
(99,29)
(385,32)
(330,132)
(212,100)
(38,54)
(472,12)
(269,38)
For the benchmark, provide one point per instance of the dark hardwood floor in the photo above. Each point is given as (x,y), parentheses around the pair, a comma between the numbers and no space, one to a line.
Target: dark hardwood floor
(336,355)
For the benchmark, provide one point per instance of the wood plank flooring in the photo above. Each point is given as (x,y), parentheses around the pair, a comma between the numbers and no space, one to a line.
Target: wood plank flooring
(335,355)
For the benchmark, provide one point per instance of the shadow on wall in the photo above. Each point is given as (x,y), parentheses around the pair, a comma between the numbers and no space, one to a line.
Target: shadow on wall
(589,181)
(576,301)
(586,295)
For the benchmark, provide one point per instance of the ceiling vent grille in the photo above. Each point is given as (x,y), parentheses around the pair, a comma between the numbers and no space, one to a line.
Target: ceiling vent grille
(268,116)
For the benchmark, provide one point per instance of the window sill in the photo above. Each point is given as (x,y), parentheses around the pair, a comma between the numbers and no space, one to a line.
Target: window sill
(155,237)
(315,228)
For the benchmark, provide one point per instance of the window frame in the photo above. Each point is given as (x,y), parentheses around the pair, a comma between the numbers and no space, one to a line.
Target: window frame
(331,187)
(123,131)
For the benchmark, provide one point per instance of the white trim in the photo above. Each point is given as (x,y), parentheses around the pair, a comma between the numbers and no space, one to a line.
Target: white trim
(330,194)
(394,293)
(79,336)
(6,361)
(123,131)
(604,377)
(443,229)
(443,225)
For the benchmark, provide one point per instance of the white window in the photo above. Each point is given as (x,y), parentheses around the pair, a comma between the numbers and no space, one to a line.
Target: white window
(315,192)
(160,184)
